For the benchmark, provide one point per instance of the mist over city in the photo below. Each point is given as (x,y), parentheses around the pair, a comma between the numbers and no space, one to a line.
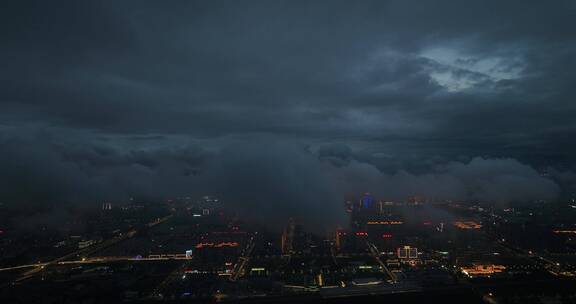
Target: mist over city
(282,151)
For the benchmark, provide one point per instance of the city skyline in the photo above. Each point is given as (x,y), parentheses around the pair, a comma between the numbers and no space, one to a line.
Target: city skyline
(226,150)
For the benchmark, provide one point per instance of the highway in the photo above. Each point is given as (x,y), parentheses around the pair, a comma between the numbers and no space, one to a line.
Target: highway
(37,268)
(376,254)
(238,269)
(98,260)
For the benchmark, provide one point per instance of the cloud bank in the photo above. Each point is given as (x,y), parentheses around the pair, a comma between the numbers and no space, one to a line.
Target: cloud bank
(284,107)
(260,178)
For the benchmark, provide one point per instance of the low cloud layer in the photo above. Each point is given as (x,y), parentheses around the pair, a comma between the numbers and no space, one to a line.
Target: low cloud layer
(284,107)
(260,177)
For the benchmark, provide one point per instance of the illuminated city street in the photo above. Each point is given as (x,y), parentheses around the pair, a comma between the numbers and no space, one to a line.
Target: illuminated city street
(288,151)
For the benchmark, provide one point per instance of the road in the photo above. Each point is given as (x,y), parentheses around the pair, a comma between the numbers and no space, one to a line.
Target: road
(38,268)
(96,260)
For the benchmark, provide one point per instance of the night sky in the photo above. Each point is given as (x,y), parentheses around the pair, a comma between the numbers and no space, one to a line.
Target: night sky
(286,107)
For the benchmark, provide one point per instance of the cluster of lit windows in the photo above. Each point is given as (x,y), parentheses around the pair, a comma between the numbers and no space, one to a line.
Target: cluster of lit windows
(217,245)
(385,223)
(467,225)
(564,231)
(482,270)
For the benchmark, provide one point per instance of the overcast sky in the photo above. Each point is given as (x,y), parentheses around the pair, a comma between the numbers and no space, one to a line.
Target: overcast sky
(291,104)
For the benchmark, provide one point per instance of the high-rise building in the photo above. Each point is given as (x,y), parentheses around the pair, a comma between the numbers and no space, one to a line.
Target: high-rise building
(301,240)
(407,252)
(338,239)
(367,201)
(361,211)
(288,237)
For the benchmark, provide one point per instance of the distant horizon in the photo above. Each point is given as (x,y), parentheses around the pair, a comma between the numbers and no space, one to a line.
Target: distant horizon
(286,109)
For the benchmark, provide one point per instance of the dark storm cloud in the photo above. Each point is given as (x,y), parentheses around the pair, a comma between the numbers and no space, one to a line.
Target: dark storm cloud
(259,177)
(394,89)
